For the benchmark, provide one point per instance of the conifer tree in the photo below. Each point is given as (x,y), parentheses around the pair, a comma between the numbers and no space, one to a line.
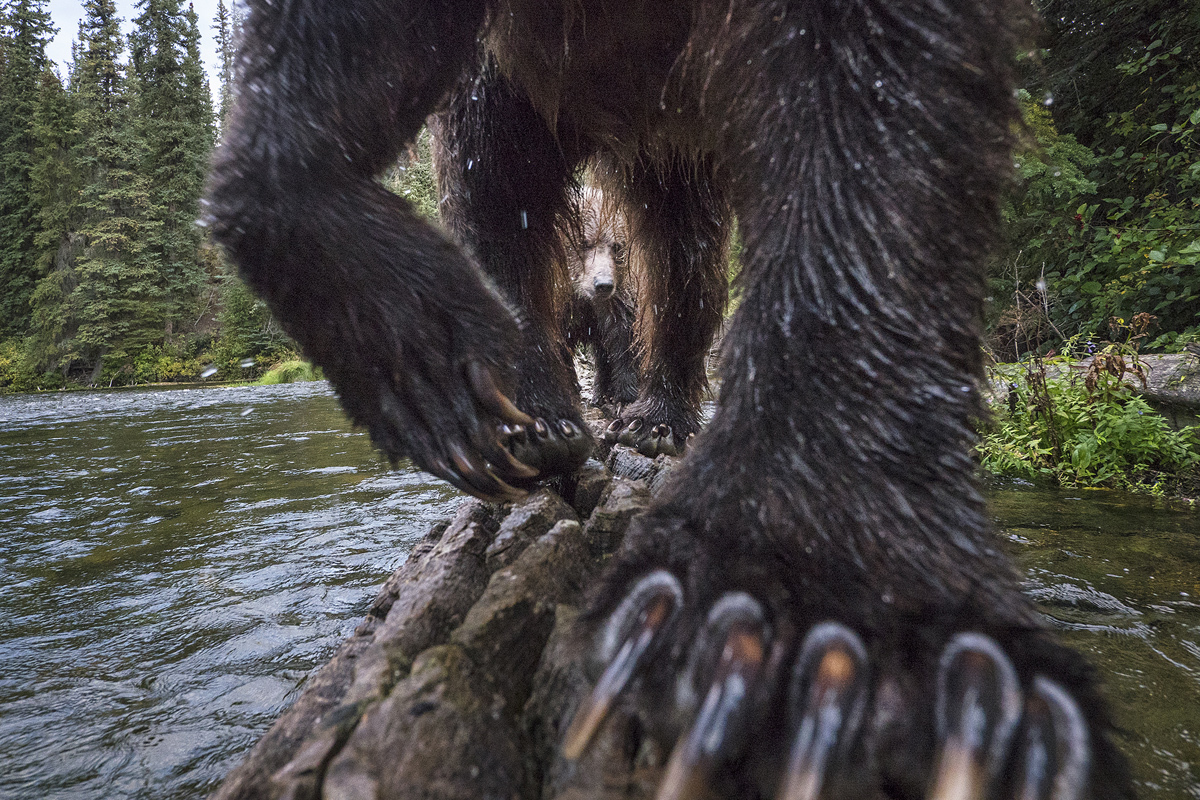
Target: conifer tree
(174,119)
(25,31)
(115,307)
(223,25)
(55,187)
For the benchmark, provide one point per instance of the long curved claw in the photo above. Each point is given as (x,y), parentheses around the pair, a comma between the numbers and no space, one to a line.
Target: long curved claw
(490,396)
(505,463)
(720,726)
(481,481)
(1054,748)
(978,707)
(442,469)
(550,448)
(829,687)
(655,599)
(554,449)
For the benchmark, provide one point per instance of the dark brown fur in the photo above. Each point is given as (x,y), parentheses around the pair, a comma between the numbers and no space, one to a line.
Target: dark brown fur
(863,145)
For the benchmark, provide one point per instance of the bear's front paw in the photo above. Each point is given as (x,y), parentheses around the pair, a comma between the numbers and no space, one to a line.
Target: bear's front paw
(759,702)
(461,443)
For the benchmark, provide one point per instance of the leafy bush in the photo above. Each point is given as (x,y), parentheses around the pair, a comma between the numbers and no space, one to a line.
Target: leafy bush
(250,339)
(163,364)
(1108,232)
(18,371)
(1086,426)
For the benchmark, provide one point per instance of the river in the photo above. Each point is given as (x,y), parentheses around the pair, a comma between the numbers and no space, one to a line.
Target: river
(175,563)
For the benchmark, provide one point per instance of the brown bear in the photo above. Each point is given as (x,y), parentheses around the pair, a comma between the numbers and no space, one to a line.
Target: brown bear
(814,604)
(603,307)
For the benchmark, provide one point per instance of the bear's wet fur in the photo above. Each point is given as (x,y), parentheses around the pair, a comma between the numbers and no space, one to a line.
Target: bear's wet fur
(862,144)
(603,307)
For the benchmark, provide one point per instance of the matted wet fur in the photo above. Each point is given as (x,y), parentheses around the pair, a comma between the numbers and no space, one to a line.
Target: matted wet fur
(863,145)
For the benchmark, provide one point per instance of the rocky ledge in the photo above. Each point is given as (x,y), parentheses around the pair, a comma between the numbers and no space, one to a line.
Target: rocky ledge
(463,674)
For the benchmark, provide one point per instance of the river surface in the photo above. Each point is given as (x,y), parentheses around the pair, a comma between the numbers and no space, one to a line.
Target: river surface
(174,564)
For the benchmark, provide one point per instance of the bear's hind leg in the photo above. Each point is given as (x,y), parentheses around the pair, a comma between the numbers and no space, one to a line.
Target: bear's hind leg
(678,227)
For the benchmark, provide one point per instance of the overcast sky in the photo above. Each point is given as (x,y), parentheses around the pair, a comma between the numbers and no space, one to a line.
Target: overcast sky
(67,13)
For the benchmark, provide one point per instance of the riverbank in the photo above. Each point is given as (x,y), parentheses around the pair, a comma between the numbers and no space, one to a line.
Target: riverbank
(1115,421)
(1172,383)
(459,678)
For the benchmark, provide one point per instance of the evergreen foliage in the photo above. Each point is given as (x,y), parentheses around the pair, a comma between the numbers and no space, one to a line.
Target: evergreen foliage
(104,277)
(108,279)
(223,26)
(413,177)
(24,31)
(173,119)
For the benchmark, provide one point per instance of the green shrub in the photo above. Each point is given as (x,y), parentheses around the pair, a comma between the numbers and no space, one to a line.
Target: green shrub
(18,370)
(290,372)
(1086,427)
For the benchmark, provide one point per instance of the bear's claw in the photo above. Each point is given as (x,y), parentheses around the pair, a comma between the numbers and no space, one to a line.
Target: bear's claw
(992,736)
(648,440)
(554,448)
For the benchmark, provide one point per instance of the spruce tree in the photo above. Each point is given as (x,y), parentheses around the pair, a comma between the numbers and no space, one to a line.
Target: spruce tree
(223,25)
(175,121)
(25,30)
(116,304)
(55,186)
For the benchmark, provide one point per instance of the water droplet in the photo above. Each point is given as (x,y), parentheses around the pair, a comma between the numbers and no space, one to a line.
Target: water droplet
(247,363)
(524,220)
(1048,100)
(470,163)
(208,372)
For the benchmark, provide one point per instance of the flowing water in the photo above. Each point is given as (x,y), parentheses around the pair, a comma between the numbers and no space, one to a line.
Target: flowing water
(174,564)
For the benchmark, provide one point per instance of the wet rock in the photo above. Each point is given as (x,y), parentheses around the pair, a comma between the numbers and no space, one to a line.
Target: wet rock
(507,629)
(391,589)
(528,520)
(425,600)
(442,733)
(588,487)
(459,681)
(315,708)
(622,500)
(629,463)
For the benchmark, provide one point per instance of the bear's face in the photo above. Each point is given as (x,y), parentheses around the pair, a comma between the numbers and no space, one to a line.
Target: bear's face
(601,269)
